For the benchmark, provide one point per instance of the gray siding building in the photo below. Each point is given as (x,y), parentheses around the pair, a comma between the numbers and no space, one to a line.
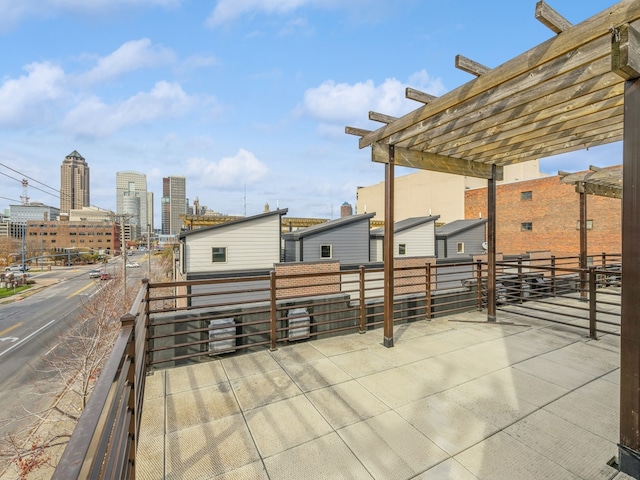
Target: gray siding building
(345,239)
(461,238)
(412,237)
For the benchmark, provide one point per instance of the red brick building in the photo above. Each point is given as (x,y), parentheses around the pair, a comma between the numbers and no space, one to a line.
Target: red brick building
(81,236)
(543,214)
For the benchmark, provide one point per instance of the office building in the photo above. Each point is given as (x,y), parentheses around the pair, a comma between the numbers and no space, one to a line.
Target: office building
(132,201)
(174,204)
(74,182)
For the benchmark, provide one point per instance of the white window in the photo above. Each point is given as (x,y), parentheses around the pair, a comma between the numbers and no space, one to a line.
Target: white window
(219,254)
(402,249)
(460,247)
(325,251)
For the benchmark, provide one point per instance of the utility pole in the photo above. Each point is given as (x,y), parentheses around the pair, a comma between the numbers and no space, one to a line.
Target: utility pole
(149,251)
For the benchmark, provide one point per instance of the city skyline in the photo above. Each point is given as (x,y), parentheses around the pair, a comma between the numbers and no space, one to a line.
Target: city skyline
(251,103)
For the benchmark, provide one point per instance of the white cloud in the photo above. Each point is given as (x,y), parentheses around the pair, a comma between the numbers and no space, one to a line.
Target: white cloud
(132,55)
(94,118)
(26,99)
(348,104)
(243,168)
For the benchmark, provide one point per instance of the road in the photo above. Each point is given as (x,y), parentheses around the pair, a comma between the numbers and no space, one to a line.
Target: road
(32,328)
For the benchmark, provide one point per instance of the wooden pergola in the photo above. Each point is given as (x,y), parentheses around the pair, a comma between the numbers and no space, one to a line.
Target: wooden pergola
(577,90)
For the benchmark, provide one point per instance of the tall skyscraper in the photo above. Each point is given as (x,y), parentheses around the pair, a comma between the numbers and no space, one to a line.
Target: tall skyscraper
(74,183)
(174,204)
(132,200)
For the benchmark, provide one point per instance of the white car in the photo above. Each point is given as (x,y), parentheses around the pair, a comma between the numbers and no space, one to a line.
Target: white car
(132,265)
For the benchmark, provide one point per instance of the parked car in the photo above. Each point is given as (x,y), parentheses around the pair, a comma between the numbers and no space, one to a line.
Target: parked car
(17,268)
(95,273)
(105,276)
(132,265)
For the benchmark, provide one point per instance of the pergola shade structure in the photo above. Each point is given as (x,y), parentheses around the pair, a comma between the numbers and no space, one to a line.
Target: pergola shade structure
(577,90)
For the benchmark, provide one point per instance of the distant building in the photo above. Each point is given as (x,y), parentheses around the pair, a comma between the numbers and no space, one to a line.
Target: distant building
(344,239)
(74,182)
(174,204)
(544,214)
(76,236)
(419,193)
(346,209)
(461,238)
(132,201)
(249,243)
(92,214)
(412,237)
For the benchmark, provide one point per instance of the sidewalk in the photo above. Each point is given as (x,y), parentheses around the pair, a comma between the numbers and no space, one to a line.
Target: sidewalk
(456,398)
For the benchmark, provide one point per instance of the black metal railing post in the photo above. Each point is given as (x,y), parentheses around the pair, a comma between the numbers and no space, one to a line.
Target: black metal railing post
(479,284)
(427,300)
(553,275)
(592,303)
(273,324)
(363,312)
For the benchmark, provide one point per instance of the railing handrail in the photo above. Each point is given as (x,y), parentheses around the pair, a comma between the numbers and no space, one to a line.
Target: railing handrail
(77,460)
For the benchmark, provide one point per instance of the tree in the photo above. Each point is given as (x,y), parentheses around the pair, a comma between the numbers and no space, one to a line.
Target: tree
(69,374)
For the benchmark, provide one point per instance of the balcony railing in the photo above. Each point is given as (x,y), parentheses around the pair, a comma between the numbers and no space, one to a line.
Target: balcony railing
(179,322)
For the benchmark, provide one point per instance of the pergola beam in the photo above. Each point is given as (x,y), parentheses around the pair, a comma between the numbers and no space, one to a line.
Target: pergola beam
(405,157)
(625,52)
(598,190)
(418,96)
(550,18)
(359,132)
(381,117)
(467,65)
(532,65)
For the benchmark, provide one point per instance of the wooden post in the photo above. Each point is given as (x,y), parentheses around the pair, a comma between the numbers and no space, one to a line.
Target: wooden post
(427,302)
(629,446)
(583,244)
(388,248)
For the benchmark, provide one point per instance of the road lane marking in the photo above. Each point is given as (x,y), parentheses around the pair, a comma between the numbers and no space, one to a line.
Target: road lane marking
(77,292)
(27,337)
(10,328)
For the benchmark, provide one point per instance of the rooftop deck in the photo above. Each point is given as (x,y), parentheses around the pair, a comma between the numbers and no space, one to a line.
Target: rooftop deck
(455,398)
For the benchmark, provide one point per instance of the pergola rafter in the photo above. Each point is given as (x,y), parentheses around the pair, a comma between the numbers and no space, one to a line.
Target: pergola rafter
(577,90)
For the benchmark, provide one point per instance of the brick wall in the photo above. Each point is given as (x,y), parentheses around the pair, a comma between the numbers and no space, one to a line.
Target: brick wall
(411,280)
(553,212)
(306,280)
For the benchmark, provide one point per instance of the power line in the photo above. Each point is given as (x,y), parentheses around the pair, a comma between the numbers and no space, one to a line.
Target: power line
(57,194)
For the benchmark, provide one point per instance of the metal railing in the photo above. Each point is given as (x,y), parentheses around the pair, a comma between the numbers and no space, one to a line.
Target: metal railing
(178,322)
(104,440)
(559,292)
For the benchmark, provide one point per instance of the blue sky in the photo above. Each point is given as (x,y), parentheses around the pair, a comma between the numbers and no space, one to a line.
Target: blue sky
(246,98)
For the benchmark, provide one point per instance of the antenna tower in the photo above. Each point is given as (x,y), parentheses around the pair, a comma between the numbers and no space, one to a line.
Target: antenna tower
(25,197)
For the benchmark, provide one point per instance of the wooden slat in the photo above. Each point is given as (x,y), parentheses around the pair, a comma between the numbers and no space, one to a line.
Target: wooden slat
(599,190)
(625,52)
(550,18)
(437,163)
(381,117)
(543,81)
(418,96)
(598,26)
(531,109)
(360,132)
(467,65)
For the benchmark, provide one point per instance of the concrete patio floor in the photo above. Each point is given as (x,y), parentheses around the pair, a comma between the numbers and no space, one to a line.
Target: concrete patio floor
(456,398)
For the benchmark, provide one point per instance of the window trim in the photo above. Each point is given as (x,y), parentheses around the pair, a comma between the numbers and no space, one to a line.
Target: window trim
(460,247)
(402,249)
(213,254)
(322,250)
